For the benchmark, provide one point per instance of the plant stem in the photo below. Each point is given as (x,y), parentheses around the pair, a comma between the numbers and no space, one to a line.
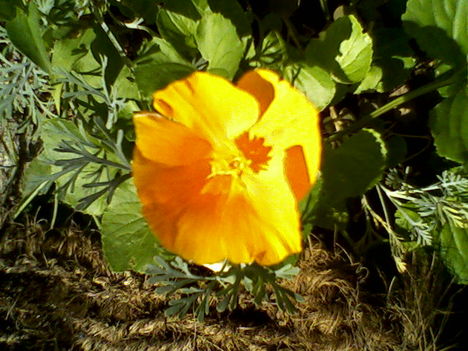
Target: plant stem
(395,103)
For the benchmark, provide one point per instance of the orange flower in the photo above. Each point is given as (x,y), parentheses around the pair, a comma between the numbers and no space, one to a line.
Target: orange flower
(220,167)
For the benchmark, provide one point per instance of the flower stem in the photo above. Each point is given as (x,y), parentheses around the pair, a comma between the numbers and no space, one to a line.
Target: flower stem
(395,103)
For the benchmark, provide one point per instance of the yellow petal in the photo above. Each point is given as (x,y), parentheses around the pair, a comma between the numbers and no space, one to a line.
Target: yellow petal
(289,120)
(257,220)
(209,105)
(271,197)
(168,142)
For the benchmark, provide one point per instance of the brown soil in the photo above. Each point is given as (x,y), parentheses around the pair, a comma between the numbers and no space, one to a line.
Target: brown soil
(57,293)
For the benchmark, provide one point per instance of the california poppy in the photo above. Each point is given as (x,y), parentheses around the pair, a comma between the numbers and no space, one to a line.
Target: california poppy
(219,168)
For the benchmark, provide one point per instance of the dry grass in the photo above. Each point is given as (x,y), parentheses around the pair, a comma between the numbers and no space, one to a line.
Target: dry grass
(58,294)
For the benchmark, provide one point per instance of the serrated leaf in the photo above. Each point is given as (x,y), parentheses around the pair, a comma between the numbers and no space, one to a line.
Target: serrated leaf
(177,23)
(158,73)
(24,31)
(371,81)
(343,49)
(449,125)
(356,166)
(127,241)
(454,251)
(440,28)
(349,171)
(313,81)
(219,44)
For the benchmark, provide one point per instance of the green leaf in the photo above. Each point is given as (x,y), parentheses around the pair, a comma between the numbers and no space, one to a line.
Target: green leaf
(24,31)
(349,171)
(445,22)
(343,49)
(8,9)
(371,81)
(219,44)
(314,82)
(53,133)
(449,124)
(177,23)
(454,251)
(440,28)
(233,11)
(158,73)
(356,166)
(75,53)
(126,238)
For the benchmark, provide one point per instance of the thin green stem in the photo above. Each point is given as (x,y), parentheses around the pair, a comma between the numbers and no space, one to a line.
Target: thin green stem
(395,103)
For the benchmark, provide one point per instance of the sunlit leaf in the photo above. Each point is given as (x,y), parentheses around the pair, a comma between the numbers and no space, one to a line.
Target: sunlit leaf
(219,44)
(449,124)
(343,49)
(127,241)
(314,82)
(454,250)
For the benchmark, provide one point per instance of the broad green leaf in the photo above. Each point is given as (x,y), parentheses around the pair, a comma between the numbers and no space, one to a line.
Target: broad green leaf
(440,28)
(314,82)
(449,125)
(127,241)
(343,49)
(177,23)
(231,10)
(356,166)
(169,52)
(371,81)
(24,31)
(349,171)
(157,73)
(219,44)
(454,250)
(8,9)
(125,85)
(75,53)
(53,133)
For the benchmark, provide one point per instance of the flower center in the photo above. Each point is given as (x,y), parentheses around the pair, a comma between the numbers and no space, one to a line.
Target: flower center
(250,153)
(232,165)
(255,151)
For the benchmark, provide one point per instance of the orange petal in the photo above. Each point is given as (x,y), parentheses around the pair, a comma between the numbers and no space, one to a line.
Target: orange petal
(297,172)
(209,105)
(168,142)
(165,192)
(253,83)
(257,221)
(291,120)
